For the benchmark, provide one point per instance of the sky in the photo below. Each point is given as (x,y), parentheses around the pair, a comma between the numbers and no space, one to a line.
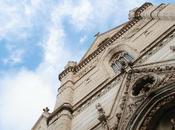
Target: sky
(37,39)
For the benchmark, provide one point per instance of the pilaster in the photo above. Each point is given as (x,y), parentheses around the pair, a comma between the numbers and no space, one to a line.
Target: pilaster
(62,114)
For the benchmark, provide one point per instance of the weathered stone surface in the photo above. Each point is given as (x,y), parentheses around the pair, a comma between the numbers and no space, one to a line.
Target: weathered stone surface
(134,91)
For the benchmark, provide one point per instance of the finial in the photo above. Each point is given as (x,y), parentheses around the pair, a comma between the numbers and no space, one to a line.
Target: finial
(46,109)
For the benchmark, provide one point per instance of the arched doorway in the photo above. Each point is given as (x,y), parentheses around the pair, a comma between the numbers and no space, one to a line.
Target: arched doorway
(157,112)
(164,118)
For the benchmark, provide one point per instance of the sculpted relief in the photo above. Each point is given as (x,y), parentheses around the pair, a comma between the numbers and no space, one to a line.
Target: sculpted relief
(151,86)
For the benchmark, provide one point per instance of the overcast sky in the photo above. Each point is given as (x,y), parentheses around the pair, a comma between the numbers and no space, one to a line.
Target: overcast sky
(37,38)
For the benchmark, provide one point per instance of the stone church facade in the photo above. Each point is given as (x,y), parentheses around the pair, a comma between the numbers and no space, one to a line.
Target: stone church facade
(125,81)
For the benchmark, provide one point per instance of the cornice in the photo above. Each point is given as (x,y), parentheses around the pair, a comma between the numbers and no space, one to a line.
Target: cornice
(65,106)
(125,28)
(105,88)
(141,9)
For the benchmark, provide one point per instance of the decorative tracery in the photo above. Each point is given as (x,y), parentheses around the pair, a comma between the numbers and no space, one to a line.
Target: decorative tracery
(143,85)
(120,61)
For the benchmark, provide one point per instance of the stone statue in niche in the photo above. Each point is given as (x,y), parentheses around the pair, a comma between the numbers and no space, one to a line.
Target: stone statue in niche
(101,116)
(101,113)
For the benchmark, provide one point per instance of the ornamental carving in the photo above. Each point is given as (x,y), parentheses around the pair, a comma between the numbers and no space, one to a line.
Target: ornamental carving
(101,116)
(149,79)
(158,106)
(116,125)
(99,94)
(108,42)
(88,68)
(143,85)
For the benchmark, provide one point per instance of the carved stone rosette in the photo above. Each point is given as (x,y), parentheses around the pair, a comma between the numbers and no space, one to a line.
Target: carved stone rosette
(161,76)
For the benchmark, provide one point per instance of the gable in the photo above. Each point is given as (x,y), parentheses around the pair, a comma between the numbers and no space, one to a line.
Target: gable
(100,39)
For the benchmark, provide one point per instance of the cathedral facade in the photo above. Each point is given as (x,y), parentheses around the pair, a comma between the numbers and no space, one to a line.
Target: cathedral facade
(125,81)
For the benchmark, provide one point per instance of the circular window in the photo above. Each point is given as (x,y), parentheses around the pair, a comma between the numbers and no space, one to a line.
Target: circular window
(143,85)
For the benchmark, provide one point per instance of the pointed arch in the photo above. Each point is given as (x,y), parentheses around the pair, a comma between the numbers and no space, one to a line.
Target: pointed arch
(159,100)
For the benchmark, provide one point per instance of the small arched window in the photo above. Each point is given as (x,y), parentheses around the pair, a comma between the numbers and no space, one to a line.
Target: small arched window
(120,61)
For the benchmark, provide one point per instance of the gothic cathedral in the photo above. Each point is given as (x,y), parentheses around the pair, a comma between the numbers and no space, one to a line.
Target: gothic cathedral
(125,81)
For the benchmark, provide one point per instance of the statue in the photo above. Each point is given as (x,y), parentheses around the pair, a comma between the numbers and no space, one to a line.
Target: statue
(101,116)
(172,123)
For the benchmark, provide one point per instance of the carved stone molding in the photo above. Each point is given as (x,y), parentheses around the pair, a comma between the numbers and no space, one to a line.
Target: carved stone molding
(129,104)
(158,46)
(116,124)
(159,105)
(108,42)
(87,69)
(123,104)
(145,82)
(98,95)
(58,112)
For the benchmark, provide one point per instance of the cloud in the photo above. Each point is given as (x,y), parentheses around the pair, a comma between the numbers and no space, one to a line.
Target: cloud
(25,92)
(12,17)
(15,57)
(82,14)
(86,15)
(16,26)
(23,95)
(83,39)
